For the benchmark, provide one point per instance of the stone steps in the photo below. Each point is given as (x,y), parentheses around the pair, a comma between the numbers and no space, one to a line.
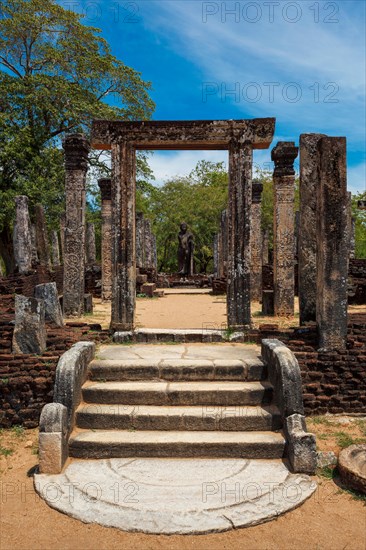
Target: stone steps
(177,369)
(114,444)
(196,418)
(209,393)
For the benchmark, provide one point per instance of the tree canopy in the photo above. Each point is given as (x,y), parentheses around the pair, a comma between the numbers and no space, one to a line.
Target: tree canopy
(56,75)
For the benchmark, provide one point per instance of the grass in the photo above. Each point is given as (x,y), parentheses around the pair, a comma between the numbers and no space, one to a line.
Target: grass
(331,473)
(320,420)
(345,440)
(18,430)
(5,452)
(327,472)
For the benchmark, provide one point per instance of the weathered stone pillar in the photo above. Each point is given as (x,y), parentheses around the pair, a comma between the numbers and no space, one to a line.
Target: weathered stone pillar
(48,293)
(62,233)
(309,183)
(123,222)
(154,252)
(332,244)
(76,149)
(22,237)
(140,233)
(256,243)
(223,245)
(105,190)
(29,332)
(43,249)
(283,155)
(90,252)
(55,249)
(238,220)
(216,254)
(265,247)
(34,245)
(148,244)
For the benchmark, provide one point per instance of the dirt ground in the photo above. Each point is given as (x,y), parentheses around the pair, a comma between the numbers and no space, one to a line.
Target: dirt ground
(331,519)
(191,309)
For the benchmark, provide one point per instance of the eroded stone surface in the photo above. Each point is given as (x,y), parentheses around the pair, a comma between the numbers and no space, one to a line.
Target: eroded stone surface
(105,190)
(352,467)
(76,163)
(48,293)
(43,249)
(256,243)
(22,236)
(174,496)
(283,156)
(29,332)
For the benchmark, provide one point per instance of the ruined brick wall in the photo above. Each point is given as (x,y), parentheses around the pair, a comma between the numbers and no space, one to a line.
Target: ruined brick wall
(357,282)
(24,284)
(26,381)
(333,382)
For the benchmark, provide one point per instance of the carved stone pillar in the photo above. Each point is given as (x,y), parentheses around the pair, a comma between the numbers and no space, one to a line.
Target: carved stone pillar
(62,234)
(123,251)
(43,250)
(105,190)
(283,156)
(140,234)
(34,245)
(256,243)
(76,149)
(22,236)
(90,252)
(332,244)
(238,269)
(309,183)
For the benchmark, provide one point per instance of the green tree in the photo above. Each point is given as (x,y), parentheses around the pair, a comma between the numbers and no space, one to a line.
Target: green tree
(56,76)
(360,225)
(197,199)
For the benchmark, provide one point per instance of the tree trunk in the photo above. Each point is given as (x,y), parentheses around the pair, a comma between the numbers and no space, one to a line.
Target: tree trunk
(6,250)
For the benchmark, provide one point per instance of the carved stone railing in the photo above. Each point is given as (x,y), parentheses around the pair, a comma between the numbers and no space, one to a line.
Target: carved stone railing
(285,376)
(57,418)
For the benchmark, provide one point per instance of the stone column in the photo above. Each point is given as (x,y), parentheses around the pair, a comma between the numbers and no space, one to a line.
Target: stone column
(332,244)
(55,249)
(105,190)
(34,245)
(62,233)
(309,183)
(76,149)
(123,222)
(283,155)
(22,237)
(147,244)
(238,226)
(154,253)
(43,249)
(216,254)
(140,247)
(265,247)
(223,245)
(90,252)
(256,243)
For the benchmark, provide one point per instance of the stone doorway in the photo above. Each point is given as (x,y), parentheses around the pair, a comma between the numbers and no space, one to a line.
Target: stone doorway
(239,138)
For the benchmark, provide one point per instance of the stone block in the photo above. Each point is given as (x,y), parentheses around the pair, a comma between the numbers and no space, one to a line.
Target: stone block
(88,303)
(301,445)
(148,289)
(53,448)
(29,332)
(48,293)
(268,302)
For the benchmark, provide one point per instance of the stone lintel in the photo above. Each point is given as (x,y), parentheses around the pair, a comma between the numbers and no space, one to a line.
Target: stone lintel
(283,155)
(183,134)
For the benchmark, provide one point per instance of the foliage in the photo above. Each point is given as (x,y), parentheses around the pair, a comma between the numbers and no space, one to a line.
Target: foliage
(360,225)
(56,76)
(197,199)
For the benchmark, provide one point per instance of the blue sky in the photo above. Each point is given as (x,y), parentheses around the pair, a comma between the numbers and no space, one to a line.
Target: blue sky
(302,62)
